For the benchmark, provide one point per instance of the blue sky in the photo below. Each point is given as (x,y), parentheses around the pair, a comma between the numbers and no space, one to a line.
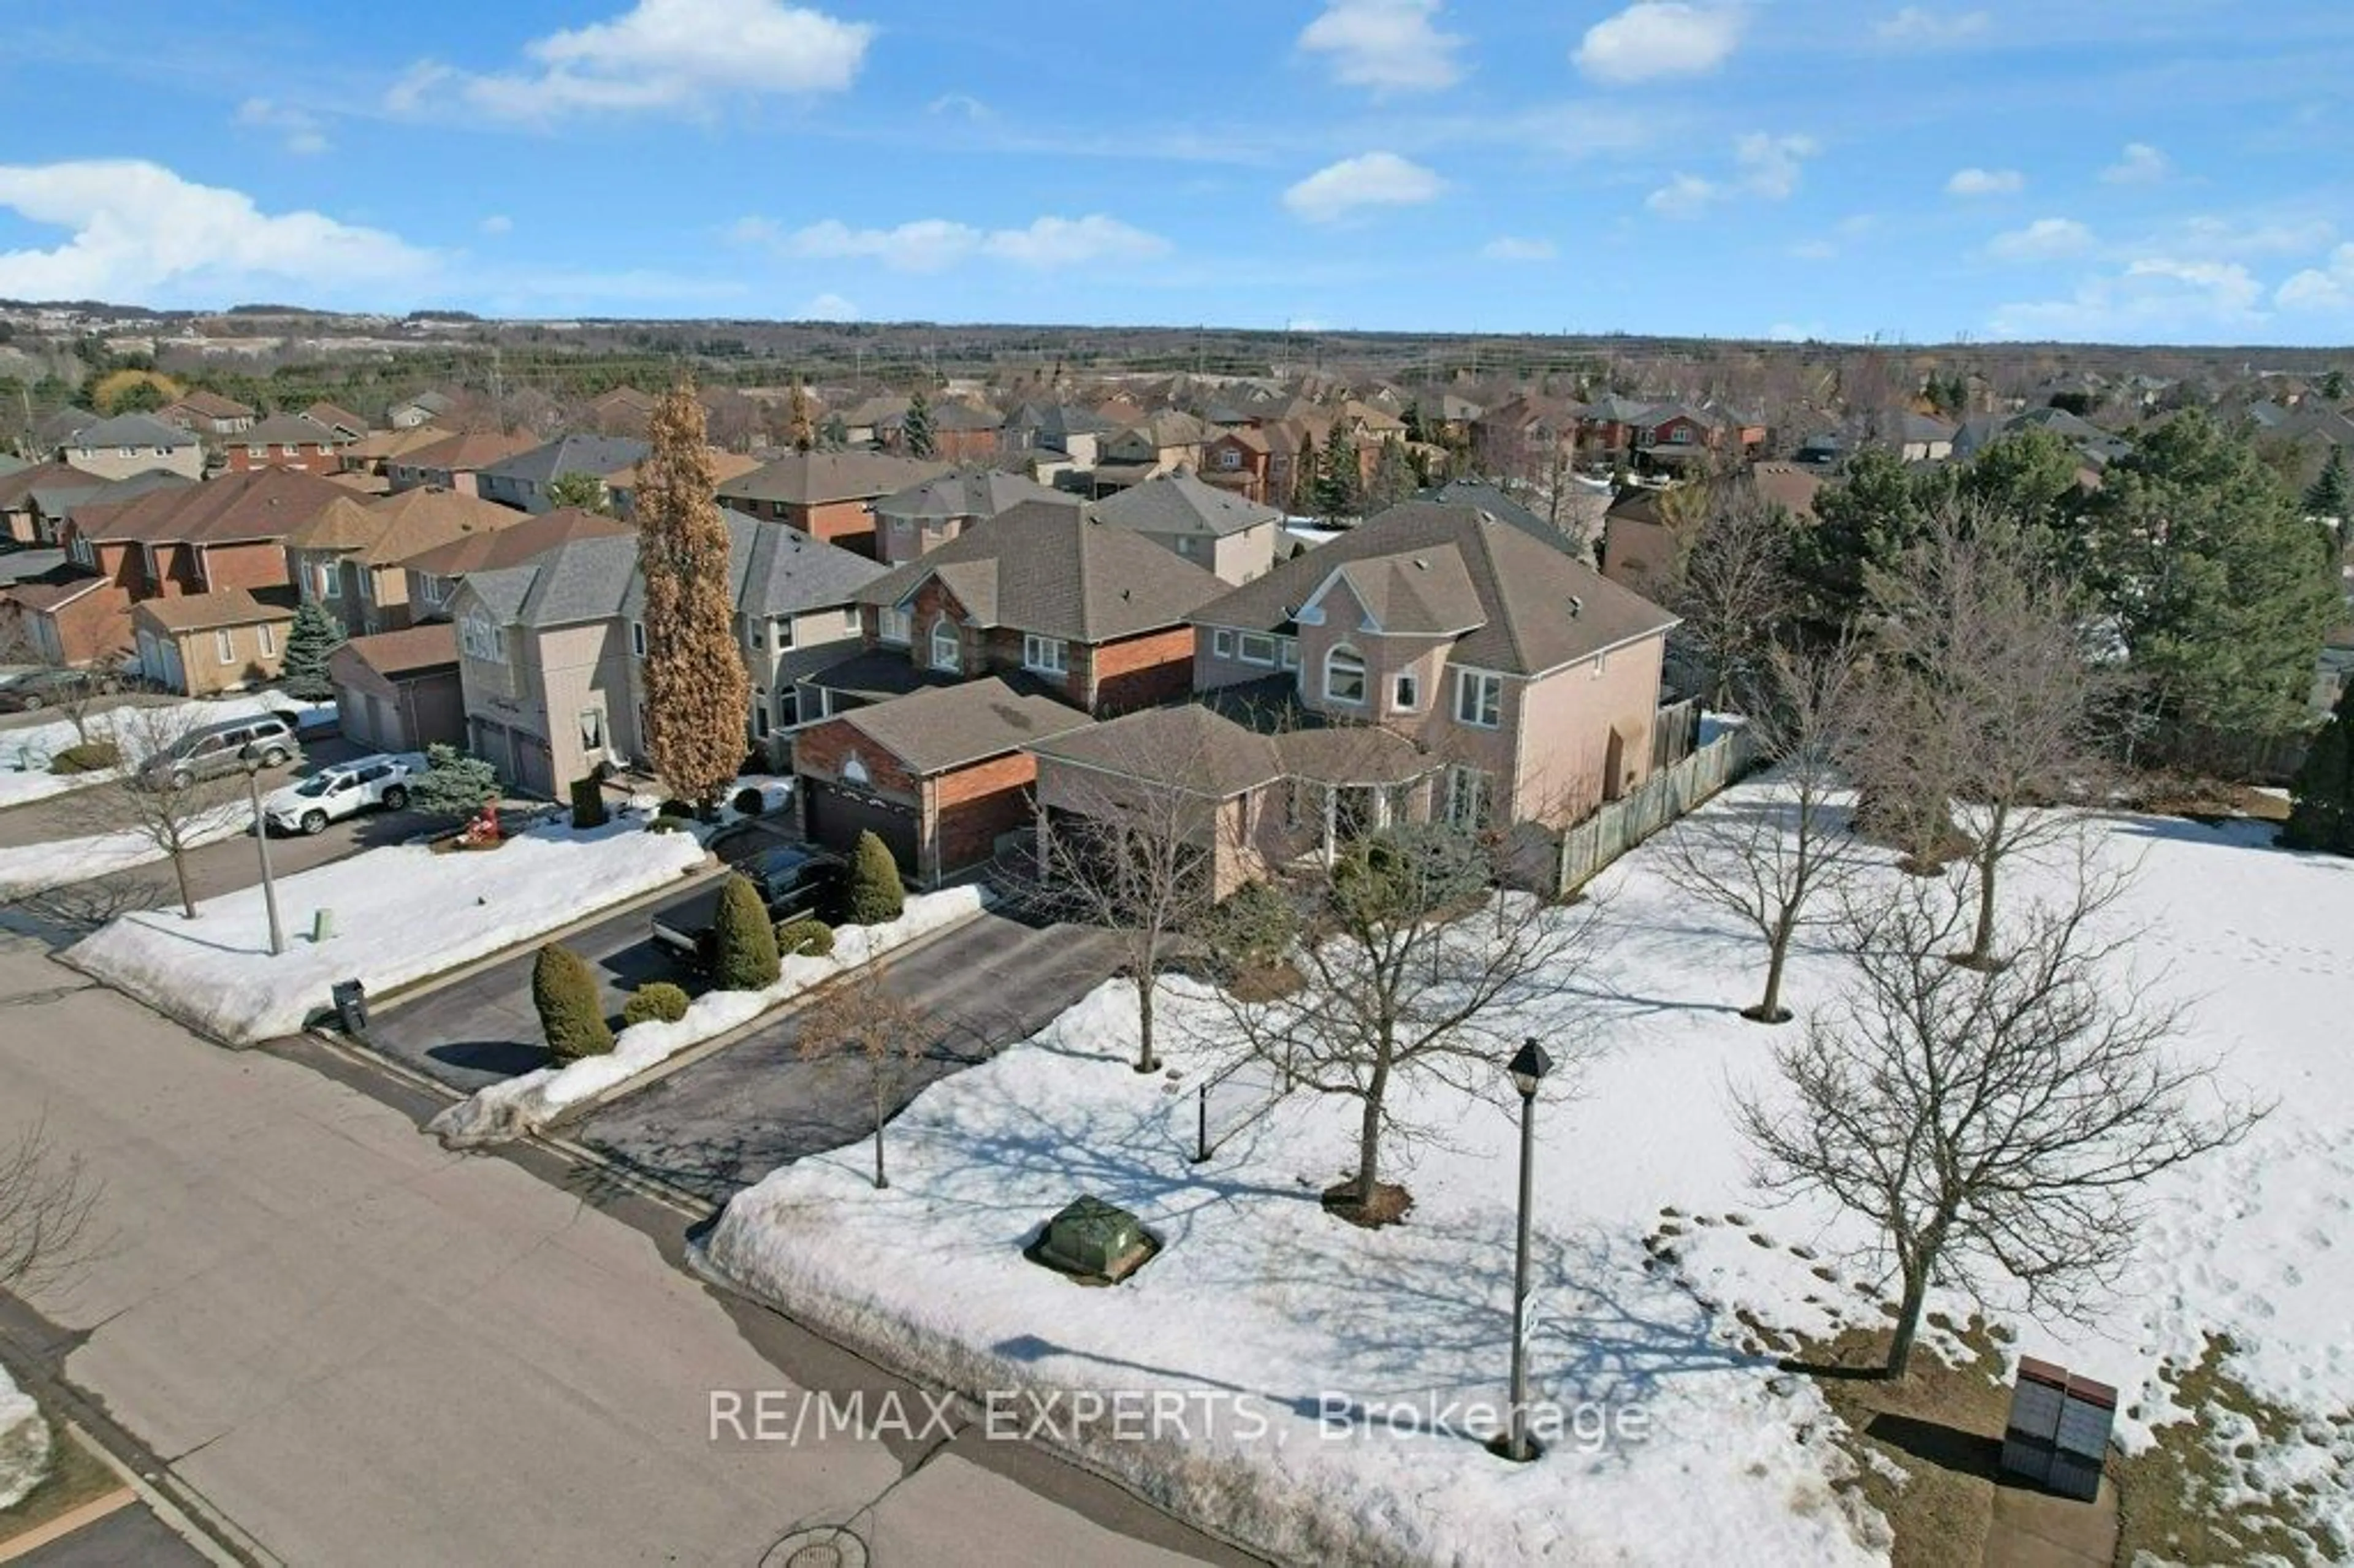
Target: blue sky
(2158,171)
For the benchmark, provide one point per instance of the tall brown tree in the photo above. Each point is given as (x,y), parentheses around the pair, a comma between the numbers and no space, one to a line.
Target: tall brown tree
(697,693)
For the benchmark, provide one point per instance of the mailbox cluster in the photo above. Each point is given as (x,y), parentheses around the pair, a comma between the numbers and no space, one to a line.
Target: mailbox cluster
(2058,1434)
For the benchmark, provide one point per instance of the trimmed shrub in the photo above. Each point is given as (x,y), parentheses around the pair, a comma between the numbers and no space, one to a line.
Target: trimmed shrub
(875,894)
(674,809)
(569,1014)
(743,943)
(90,757)
(749,801)
(587,804)
(658,1000)
(804,939)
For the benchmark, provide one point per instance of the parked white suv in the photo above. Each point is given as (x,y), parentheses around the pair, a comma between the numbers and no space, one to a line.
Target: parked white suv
(343,790)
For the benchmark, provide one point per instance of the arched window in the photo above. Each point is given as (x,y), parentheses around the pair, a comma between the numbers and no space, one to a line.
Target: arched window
(947,650)
(1344,674)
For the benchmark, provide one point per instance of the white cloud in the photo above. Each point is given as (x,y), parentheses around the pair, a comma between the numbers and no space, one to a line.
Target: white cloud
(961,105)
(1919,27)
(2155,297)
(828,308)
(1389,45)
(497,223)
(662,56)
(140,234)
(1374,179)
(1974,182)
(1656,38)
(2045,239)
(1765,166)
(1814,250)
(299,126)
(2326,289)
(2208,236)
(2140,164)
(1508,248)
(935,244)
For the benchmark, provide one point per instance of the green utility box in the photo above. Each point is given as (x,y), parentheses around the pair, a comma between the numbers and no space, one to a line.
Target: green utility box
(1095,1239)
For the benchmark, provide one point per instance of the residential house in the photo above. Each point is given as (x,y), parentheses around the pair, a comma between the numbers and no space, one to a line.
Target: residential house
(1368,424)
(1239,459)
(374,453)
(941,776)
(1154,445)
(66,615)
(352,559)
(422,410)
(829,495)
(132,444)
(1527,434)
(433,575)
(229,533)
(1534,680)
(293,441)
(623,411)
(57,430)
(1064,428)
(1914,436)
(204,644)
(523,480)
(1447,419)
(399,691)
(54,492)
(455,462)
(861,422)
(1232,538)
(796,613)
(1045,594)
(333,417)
(923,516)
(621,484)
(961,433)
(203,413)
(1643,532)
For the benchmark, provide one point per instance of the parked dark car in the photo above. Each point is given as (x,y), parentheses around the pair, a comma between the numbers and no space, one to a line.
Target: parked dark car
(795,884)
(48,688)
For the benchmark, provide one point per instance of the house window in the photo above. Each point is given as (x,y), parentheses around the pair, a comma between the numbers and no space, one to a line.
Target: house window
(1469,798)
(1478,699)
(1258,649)
(330,581)
(1222,643)
(1229,459)
(225,646)
(894,626)
(850,619)
(130,451)
(1286,651)
(782,632)
(1184,543)
(268,640)
(789,706)
(482,640)
(257,451)
(593,730)
(1345,675)
(1046,655)
(1405,693)
(759,716)
(947,649)
(759,638)
(638,638)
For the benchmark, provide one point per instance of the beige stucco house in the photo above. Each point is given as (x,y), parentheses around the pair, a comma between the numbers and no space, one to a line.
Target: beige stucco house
(1228,533)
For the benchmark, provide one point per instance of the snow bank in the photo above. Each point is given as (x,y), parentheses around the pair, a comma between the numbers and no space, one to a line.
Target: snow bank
(34,868)
(24,1443)
(515,1107)
(24,752)
(1651,1244)
(400,914)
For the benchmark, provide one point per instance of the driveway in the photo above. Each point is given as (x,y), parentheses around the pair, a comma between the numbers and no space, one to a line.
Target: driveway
(722,1123)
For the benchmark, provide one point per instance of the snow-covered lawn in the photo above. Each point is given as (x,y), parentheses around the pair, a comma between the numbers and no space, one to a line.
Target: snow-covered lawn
(400,914)
(34,868)
(35,743)
(1261,1297)
(24,1443)
(515,1107)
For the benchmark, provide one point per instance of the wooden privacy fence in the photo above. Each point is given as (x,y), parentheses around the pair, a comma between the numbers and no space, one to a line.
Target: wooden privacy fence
(1667,795)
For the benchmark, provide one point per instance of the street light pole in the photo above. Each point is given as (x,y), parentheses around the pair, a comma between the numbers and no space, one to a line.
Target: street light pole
(261,842)
(1528,1068)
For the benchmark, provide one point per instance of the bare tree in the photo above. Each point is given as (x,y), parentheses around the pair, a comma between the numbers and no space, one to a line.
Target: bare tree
(1412,967)
(176,812)
(1990,695)
(1730,584)
(46,1199)
(1989,1122)
(860,1015)
(1769,859)
(73,693)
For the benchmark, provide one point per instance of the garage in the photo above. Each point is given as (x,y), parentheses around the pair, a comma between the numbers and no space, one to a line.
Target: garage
(837,815)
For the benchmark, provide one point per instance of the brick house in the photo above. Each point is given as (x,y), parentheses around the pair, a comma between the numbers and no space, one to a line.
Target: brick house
(204,644)
(621,484)
(65,619)
(961,433)
(374,453)
(132,444)
(828,496)
(923,516)
(1238,459)
(289,442)
(1044,595)
(398,691)
(455,462)
(1532,679)
(1155,445)
(940,776)
(338,419)
(352,557)
(201,413)
(228,533)
(1643,530)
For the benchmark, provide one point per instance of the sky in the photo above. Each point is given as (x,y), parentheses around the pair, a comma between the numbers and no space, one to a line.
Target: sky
(2158,171)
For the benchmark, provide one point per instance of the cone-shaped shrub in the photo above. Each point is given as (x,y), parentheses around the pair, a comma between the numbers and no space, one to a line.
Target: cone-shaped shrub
(743,943)
(874,894)
(569,1014)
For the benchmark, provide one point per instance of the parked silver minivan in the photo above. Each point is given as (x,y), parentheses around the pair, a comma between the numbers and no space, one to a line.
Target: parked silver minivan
(219,748)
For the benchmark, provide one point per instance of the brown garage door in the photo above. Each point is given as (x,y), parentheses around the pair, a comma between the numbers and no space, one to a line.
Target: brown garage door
(837,816)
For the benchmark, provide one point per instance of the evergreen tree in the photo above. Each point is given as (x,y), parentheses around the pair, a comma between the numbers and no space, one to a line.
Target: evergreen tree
(697,693)
(1337,477)
(2322,817)
(1395,479)
(310,640)
(915,426)
(2220,591)
(570,1014)
(584,491)
(833,435)
(743,942)
(874,894)
(2331,495)
(799,433)
(454,784)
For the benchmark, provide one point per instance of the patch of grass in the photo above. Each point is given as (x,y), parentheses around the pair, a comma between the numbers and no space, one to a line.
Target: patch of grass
(76,1477)
(2189,1497)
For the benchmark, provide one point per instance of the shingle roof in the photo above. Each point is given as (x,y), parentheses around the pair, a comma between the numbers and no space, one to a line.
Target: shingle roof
(204,611)
(389,444)
(1415,593)
(1180,502)
(812,479)
(1190,748)
(267,503)
(59,428)
(967,491)
(1488,498)
(774,570)
(517,542)
(408,651)
(1541,608)
(290,429)
(468,450)
(18,487)
(543,464)
(213,406)
(1049,568)
(334,417)
(583,579)
(130,430)
(397,527)
(951,727)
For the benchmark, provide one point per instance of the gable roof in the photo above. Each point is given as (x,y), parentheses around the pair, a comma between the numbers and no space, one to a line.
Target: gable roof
(967,491)
(58,428)
(290,429)
(388,444)
(17,486)
(725,465)
(1050,569)
(396,527)
(266,504)
(468,450)
(774,570)
(580,579)
(812,479)
(413,650)
(544,463)
(334,417)
(1540,609)
(490,549)
(947,727)
(211,406)
(129,430)
(1181,502)
(208,611)
(1187,747)
(1415,593)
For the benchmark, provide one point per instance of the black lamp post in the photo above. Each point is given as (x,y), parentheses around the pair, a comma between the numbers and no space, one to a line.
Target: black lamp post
(1528,1067)
(253,765)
